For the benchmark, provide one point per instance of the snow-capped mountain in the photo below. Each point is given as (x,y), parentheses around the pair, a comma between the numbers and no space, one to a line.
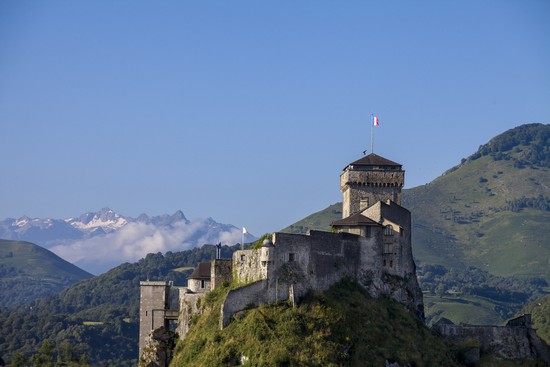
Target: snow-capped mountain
(97,241)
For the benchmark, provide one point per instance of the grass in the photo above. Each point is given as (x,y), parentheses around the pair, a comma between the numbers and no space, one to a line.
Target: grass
(342,327)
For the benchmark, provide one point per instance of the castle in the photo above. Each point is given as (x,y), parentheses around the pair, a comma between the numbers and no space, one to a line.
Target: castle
(370,244)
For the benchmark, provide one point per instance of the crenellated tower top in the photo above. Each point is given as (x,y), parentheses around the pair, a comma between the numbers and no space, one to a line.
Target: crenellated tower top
(369,180)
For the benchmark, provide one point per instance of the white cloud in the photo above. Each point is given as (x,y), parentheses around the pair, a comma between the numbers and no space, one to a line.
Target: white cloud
(135,240)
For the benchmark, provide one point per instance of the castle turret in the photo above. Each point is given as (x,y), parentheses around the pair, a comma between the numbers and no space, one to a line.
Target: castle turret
(153,304)
(369,180)
(267,256)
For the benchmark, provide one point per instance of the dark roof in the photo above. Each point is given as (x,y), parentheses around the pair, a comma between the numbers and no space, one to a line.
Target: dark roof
(202,271)
(354,220)
(374,160)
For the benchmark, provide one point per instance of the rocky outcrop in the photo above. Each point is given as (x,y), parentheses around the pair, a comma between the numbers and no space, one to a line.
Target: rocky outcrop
(404,290)
(159,348)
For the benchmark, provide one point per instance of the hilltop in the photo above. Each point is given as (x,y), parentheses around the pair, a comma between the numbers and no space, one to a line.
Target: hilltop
(29,272)
(491,211)
(340,327)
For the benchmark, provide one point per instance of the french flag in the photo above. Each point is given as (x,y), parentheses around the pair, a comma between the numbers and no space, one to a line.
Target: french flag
(375,121)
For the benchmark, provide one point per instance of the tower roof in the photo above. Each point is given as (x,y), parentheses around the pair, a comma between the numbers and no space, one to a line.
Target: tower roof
(374,160)
(355,220)
(202,271)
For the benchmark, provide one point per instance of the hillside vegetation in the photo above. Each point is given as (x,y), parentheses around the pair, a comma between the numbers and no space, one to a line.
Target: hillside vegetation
(540,316)
(341,327)
(492,211)
(29,272)
(98,318)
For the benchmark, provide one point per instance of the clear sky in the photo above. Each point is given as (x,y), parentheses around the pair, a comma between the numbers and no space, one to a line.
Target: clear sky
(247,111)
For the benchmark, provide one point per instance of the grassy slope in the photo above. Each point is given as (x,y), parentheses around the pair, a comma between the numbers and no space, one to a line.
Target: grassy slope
(540,313)
(457,219)
(342,327)
(30,272)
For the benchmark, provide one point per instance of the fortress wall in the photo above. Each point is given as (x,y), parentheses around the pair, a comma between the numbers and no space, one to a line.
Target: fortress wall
(239,298)
(220,272)
(507,342)
(189,306)
(246,265)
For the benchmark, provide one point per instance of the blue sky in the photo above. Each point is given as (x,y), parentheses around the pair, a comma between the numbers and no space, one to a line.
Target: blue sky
(247,111)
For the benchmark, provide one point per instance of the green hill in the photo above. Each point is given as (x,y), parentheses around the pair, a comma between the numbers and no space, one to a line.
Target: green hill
(492,211)
(29,272)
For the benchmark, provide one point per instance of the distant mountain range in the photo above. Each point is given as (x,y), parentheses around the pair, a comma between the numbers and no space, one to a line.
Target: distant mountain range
(98,241)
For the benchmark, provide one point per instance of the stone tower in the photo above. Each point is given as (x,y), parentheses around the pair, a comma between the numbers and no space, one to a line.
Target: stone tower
(369,180)
(153,305)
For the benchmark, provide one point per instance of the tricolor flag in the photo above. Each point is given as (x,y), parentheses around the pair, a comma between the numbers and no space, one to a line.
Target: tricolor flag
(375,121)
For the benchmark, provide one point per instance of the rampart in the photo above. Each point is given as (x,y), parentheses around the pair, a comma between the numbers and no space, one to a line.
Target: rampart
(513,343)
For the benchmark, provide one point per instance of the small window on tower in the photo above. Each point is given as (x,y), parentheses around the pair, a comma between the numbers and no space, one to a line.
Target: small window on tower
(291,257)
(202,284)
(364,203)
(242,257)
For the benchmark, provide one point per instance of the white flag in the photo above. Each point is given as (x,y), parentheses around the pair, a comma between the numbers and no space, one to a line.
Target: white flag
(244,230)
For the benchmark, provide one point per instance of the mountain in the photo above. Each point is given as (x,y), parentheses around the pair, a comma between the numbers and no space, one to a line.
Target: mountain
(488,215)
(48,232)
(29,272)
(98,241)
(491,211)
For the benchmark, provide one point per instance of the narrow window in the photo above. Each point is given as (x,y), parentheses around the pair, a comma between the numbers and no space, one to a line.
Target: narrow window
(388,231)
(367,231)
(242,257)
(384,262)
(291,257)
(202,283)
(391,263)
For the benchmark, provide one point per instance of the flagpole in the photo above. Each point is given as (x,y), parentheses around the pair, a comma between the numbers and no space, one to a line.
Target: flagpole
(372,133)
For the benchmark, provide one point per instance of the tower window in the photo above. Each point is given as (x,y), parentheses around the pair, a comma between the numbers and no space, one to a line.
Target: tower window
(242,257)
(202,284)
(291,257)
(388,231)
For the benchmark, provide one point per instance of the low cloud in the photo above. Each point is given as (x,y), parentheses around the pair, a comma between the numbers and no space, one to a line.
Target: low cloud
(135,240)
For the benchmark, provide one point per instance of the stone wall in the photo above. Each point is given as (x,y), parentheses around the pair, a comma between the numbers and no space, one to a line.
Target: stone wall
(189,306)
(513,343)
(246,265)
(317,261)
(220,272)
(240,298)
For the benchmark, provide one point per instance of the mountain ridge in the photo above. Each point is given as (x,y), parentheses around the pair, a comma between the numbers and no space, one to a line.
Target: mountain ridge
(98,241)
